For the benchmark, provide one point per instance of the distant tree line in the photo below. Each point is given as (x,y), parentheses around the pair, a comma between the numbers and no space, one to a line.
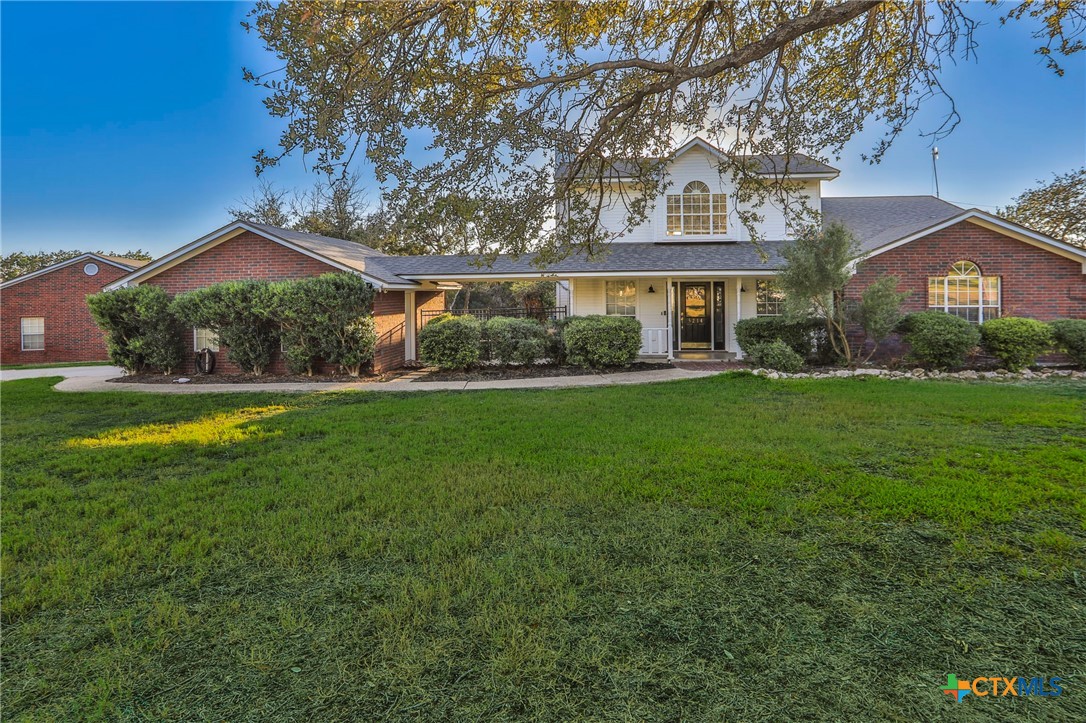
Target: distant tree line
(19,263)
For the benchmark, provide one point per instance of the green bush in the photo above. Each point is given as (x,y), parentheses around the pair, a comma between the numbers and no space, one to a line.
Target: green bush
(939,339)
(555,340)
(602,341)
(450,342)
(1015,341)
(776,355)
(1070,336)
(327,317)
(515,341)
(242,314)
(141,331)
(805,337)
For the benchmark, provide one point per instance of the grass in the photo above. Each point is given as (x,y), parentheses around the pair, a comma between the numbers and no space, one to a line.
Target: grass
(55,365)
(730,548)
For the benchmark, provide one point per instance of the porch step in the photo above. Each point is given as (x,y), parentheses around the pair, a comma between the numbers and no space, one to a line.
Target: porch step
(705,355)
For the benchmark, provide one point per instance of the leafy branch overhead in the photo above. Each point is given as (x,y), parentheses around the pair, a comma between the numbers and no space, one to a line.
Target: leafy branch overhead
(526,106)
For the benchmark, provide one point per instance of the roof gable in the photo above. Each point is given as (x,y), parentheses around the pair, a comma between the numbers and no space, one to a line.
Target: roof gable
(117,261)
(338,253)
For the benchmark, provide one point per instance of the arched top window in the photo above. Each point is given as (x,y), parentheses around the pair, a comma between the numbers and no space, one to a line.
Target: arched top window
(965,292)
(696,211)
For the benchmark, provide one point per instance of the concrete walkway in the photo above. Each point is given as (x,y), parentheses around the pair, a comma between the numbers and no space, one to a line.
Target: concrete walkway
(100,372)
(93,379)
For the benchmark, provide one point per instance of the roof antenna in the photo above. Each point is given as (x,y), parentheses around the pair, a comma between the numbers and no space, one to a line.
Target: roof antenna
(935,168)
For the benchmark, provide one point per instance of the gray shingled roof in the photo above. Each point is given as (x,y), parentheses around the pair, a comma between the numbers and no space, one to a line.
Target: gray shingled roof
(876,221)
(619,257)
(769,164)
(357,256)
(879,220)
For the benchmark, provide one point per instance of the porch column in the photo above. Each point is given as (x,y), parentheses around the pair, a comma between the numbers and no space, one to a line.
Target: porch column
(670,331)
(738,313)
(572,310)
(410,321)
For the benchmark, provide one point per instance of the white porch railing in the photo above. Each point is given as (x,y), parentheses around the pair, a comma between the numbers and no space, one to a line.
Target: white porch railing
(654,340)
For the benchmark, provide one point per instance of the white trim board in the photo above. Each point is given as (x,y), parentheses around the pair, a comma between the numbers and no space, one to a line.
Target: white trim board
(225,233)
(61,264)
(992,223)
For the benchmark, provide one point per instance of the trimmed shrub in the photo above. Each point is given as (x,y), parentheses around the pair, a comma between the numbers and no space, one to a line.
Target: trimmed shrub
(1070,336)
(327,317)
(805,337)
(450,342)
(515,341)
(776,355)
(602,341)
(939,339)
(1015,341)
(141,330)
(242,314)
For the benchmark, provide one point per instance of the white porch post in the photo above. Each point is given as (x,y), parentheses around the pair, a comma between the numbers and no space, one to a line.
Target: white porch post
(410,321)
(670,332)
(738,313)
(572,310)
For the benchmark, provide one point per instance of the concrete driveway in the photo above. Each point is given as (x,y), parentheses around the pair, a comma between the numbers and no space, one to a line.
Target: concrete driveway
(103,372)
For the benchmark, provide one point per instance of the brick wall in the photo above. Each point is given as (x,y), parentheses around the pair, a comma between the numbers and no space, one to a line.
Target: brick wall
(60,298)
(251,256)
(1034,282)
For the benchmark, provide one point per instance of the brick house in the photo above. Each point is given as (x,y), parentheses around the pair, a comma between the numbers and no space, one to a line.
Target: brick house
(243,250)
(44,317)
(689,271)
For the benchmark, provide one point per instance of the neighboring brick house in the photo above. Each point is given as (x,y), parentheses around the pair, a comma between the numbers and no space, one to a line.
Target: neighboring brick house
(44,317)
(243,250)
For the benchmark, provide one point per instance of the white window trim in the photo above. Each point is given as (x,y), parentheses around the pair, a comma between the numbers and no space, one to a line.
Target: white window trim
(713,233)
(196,335)
(637,296)
(768,283)
(980,305)
(23,334)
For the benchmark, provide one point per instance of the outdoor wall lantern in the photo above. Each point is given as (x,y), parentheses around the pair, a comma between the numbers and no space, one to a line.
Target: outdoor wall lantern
(742,289)
(651,290)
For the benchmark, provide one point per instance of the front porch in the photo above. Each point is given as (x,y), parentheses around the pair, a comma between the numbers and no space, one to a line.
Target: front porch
(688,318)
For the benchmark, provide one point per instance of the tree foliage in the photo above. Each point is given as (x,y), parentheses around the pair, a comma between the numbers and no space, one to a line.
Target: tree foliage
(1056,208)
(813,276)
(18,263)
(326,317)
(335,207)
(526,106)
(242,314)
(879,311)
(141,328)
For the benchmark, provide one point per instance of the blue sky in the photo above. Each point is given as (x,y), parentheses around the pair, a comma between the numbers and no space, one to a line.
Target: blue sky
(127,125)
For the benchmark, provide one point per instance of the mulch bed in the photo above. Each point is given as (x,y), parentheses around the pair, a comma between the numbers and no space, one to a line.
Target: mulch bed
(250,379)
(537,371)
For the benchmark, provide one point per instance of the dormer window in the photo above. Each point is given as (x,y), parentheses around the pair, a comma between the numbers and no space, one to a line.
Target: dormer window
(696,211)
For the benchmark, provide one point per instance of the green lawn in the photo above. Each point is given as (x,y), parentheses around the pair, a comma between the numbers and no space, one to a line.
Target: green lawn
(730,548)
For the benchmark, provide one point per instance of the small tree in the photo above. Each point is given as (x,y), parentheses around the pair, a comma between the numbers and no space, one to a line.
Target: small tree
(242,315)
(817,268)
(813,279)
(330,317)
(140,326)
(879,311)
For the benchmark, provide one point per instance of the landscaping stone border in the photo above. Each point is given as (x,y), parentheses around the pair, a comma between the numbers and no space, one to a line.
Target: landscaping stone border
(968,374)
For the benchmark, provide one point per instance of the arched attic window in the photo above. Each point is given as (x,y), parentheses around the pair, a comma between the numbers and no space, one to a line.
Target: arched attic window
(965,292)
(696,211)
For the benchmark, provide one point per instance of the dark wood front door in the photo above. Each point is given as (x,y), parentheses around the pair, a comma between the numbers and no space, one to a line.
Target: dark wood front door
(694,318)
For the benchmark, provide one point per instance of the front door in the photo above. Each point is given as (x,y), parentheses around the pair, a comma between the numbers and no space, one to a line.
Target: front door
(694,329)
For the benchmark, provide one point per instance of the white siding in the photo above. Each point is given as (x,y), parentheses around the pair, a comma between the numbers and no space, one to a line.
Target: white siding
(589,298)
(698,165)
